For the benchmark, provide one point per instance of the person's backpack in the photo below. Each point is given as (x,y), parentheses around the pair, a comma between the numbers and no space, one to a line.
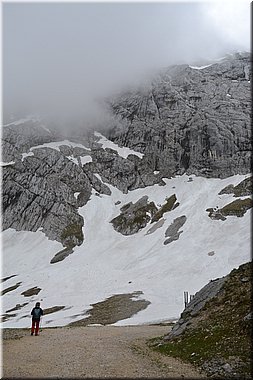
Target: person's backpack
(36,313)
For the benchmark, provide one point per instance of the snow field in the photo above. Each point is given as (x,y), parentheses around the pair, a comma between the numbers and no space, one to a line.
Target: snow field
(105,263)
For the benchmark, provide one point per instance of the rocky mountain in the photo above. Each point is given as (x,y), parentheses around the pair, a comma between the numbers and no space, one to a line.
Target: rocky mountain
(193,120)
(174,165)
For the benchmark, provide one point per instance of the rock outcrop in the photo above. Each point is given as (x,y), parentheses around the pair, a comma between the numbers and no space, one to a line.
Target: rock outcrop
(194,306)
(169,205)
(125,174)
(38,192)
(18,139)
(134,216)
(214,330)
(236,208)
(244,188)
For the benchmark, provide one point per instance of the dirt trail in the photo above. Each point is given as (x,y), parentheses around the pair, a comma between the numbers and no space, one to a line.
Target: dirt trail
(100,352)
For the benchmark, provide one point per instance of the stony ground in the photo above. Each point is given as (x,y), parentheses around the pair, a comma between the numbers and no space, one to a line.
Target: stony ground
(97,351)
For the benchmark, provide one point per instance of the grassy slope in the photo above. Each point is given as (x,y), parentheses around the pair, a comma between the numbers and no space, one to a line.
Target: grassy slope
(219,334)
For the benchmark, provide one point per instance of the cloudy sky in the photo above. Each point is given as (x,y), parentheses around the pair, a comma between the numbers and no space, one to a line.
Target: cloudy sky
(59,57)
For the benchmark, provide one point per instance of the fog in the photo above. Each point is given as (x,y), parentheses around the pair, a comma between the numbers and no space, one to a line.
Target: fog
(59,58)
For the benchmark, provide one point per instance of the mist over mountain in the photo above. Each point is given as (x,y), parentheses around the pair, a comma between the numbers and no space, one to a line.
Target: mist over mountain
(60,59)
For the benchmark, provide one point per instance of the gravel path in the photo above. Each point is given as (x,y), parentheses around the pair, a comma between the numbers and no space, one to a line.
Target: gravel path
(100,352)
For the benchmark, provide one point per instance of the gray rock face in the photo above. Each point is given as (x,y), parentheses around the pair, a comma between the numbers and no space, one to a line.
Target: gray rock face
(190,121)
(99,186)
(38,192)
(125,174)
(18,139)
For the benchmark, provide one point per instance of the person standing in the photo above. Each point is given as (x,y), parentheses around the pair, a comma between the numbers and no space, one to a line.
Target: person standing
(36,313)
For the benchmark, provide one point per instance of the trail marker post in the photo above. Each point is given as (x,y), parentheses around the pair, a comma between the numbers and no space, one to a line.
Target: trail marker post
(186,298)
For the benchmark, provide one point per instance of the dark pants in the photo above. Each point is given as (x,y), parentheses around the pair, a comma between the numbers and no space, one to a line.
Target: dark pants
(35,325)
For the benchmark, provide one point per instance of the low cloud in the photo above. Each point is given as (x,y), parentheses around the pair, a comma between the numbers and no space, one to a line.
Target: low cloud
(59,58)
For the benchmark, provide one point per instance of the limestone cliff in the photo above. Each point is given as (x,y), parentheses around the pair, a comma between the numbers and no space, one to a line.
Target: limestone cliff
(190,120)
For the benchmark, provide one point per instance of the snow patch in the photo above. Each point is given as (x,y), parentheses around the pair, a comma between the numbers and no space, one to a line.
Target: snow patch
(73,159)
(123,152)
(200,67)
(98,176)
(24,155)
(7,163)
(86,159)
(76,194)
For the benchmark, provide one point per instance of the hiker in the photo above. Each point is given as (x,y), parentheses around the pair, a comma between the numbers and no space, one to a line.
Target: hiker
(36,313)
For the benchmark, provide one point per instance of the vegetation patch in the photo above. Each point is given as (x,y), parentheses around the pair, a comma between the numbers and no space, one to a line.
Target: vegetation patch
(219,340)
(53,309)
(134,217)
(72,235)
(113,309)
(244,188)
(236,208)
(169,205)
(11,288)
(229,189)
(31,292)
